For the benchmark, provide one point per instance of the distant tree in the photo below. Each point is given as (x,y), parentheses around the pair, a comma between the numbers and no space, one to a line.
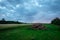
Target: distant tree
(56,21)
(3,19)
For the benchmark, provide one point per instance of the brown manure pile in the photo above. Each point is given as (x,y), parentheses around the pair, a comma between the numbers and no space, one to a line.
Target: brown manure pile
(38,26)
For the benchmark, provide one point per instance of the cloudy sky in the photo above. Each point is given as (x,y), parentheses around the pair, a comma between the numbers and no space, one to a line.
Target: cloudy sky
(30,10)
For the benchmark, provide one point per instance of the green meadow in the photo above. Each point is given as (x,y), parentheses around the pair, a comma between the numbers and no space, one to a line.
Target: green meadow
(25,32)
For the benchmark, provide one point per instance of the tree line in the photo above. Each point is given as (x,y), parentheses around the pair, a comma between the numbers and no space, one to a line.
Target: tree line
(3,21)
(55,21)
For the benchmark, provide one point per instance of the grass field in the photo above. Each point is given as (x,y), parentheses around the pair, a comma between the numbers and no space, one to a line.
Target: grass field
(24,32)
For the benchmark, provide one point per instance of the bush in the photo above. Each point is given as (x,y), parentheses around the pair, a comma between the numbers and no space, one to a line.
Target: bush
(56,21)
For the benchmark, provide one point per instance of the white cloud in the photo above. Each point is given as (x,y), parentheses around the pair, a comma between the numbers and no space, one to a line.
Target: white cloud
(3,15)
(1,0)
(40,5)
(2,7)
(7,14)
(18,5)
(27,6)
(35,3)
(12,11)
(44,17)
(10,6)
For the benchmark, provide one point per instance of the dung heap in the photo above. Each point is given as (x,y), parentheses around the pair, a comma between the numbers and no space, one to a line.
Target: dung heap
(38,26)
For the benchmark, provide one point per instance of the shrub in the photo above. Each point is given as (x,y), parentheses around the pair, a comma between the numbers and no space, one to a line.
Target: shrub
(56,21)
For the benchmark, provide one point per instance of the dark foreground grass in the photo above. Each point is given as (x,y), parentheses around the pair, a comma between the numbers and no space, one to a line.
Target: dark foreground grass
(26,33)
